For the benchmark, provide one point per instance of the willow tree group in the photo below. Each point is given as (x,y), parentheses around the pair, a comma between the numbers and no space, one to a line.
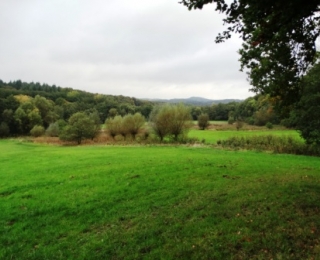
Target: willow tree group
(172,121)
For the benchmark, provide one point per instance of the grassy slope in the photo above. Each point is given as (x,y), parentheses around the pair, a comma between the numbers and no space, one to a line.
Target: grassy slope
(156,203)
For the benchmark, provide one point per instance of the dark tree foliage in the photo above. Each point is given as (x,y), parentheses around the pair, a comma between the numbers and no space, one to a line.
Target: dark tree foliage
(219,111)
(47,104)
(278,40)
(307,112)
(4,129)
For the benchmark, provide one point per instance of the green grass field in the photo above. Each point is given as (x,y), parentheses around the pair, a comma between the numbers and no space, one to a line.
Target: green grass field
(212,136)
(156,202)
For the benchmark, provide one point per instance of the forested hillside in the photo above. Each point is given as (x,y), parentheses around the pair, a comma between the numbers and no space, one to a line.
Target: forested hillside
(24,105)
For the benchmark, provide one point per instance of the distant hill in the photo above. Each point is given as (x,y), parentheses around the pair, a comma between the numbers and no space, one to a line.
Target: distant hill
(198,101)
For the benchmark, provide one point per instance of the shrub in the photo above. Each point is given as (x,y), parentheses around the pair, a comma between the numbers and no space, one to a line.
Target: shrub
(119,138)
(37,130)
(143,135)
(53,130)
(250,121)
(230,120)
(239,124)
(269,125)
(203,121)
(261,117)
(4,129)
(62,123)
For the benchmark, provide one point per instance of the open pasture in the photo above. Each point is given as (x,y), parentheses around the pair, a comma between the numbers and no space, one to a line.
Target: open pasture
(156,202)
(212,136)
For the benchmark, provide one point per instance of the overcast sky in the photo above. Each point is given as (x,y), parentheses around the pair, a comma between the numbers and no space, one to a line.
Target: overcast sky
(137,48)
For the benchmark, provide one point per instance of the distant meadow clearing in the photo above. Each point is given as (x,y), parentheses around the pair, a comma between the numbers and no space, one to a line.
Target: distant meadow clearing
(156,202)
(212,136)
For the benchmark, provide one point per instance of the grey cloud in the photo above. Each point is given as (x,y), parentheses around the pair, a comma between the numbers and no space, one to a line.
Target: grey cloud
(137,48)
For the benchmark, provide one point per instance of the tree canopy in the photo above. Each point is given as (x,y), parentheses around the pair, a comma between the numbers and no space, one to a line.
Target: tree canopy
(80,126)
(173,120)
(307,110)
(278,40)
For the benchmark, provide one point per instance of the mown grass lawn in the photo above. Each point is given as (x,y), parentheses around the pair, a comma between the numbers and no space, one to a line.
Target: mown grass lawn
(156,202)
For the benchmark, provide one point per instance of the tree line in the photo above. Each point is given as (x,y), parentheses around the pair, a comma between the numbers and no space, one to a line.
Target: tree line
(34,108)
(24,105)
(72,115)
(67,101)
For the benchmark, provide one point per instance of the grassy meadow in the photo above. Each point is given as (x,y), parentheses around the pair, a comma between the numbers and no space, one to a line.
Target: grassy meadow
(221,130)
(156,202)
(212,136)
